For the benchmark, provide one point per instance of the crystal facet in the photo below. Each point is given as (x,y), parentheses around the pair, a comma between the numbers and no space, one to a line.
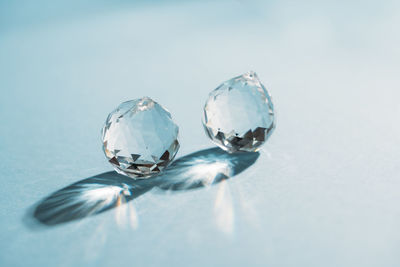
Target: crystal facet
(239,114)
(140,138)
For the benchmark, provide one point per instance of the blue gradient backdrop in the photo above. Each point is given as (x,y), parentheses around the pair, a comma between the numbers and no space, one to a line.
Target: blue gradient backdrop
(325,189)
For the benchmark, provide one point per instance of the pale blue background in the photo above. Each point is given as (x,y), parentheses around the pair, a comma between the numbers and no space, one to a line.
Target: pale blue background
(325,190)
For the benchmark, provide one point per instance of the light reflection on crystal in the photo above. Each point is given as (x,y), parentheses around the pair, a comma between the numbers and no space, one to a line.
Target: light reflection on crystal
(140,138)
(239,114)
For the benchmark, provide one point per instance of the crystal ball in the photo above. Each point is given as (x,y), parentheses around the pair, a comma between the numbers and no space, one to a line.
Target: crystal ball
(239,114)
(140,138)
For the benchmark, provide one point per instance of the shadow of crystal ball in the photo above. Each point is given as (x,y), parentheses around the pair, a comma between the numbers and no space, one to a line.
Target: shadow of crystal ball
(239,114)
(140,138)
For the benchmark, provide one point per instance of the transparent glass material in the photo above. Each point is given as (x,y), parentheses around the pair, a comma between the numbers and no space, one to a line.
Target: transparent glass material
(239,114)
(140,138)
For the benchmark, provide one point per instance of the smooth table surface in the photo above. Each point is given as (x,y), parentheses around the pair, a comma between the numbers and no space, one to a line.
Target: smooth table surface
(323,191)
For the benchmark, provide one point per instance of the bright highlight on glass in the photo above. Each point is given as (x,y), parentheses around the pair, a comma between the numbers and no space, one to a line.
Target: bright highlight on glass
(140,138)
(239,114)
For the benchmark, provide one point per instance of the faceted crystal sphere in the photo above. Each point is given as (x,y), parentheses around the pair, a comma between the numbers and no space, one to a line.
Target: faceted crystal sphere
(239,114)
(139,138)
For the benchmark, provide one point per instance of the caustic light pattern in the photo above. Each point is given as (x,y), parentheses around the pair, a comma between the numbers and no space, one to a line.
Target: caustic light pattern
(239,114)
(140,138)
